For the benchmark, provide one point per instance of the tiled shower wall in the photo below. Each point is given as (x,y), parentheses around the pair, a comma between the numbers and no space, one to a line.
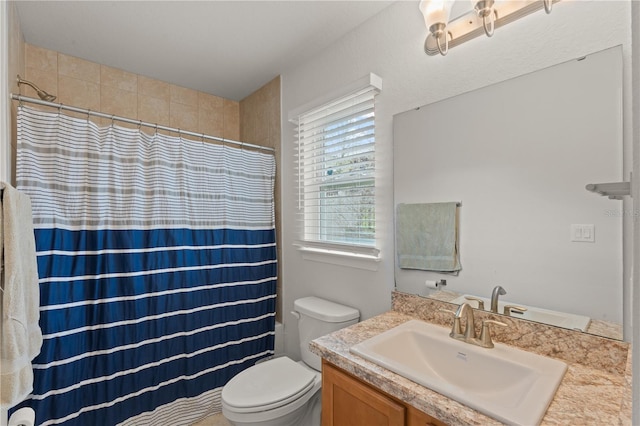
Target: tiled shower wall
(260,124)
(97,87)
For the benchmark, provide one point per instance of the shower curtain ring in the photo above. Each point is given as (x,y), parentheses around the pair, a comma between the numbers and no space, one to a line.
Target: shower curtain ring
(139,124)
(112,119)
(156,129)
(59,109)
(88,114)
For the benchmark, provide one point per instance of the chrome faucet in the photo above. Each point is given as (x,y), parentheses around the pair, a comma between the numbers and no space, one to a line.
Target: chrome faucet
(497,291)
(469,335)
(476,299)
(470,327)
(508,309)
(485,335)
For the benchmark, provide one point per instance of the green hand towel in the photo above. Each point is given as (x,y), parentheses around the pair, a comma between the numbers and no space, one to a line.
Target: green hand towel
(427,237)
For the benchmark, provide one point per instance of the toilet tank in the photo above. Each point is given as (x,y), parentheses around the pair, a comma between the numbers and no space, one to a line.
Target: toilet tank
(317,317)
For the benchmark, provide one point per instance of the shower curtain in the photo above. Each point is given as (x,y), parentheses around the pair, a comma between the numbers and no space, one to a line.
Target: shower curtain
(157,265)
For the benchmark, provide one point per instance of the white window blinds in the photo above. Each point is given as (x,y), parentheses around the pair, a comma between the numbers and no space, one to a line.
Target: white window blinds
(335,160)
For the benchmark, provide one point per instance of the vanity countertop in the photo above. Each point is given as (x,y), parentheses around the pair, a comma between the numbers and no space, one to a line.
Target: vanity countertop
(586,395)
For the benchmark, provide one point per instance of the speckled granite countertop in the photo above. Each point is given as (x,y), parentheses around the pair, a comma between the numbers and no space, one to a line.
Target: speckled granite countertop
(596,327)
(586,396)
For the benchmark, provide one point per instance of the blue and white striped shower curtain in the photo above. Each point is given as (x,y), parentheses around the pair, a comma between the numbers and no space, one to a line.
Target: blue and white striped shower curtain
(157,265)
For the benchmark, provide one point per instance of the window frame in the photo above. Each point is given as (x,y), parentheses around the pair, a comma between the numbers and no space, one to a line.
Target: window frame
(358,255)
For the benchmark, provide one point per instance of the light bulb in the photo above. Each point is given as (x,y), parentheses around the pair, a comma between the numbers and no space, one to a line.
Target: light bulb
(435,12)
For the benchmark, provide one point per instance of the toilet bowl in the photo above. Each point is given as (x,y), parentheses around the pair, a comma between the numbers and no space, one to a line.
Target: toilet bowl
(280,391)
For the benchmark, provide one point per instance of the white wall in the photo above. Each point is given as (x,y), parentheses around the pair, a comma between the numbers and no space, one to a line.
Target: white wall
(634,297)
(5,116)
(390,45)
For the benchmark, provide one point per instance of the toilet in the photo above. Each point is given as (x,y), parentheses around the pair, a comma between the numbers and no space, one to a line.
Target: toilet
(280,391)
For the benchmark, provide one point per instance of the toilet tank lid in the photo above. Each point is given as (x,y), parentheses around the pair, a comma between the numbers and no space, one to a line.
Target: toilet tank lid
(325,310)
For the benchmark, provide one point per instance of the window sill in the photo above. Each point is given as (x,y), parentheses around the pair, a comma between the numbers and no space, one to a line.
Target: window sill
(343,256)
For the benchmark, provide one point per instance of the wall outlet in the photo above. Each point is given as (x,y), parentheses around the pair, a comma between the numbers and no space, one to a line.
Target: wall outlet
(583,233)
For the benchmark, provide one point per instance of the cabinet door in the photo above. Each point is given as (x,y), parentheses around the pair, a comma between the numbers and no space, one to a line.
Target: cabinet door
(416,417)
(348,402)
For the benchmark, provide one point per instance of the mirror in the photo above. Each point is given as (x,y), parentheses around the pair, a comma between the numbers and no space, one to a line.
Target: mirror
(517,156)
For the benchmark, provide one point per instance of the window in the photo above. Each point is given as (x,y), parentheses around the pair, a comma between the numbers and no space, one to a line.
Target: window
(335,159)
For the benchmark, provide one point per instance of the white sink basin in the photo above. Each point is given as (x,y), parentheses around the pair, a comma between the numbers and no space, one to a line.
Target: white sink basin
(546,316)
(508,384)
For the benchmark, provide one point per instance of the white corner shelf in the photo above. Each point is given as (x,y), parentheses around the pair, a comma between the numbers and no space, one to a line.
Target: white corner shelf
(613,190)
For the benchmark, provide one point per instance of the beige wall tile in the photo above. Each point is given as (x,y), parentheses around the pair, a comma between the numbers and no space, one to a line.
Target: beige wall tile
(41,59)
(183,117)
(113,91)
(247,122)
(259,115)
(71,66)
(261,96)
(182,95)
(261,142)
(248,127)
(262,123)
(154,88)
(118,102)
(231,119)
(79,93)
(211,122)
(153,110)
(120,79)
(45,80)
(273,88)
(210,102)
(275,128)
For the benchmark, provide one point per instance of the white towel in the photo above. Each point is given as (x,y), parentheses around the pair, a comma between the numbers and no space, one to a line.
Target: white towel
(21,334)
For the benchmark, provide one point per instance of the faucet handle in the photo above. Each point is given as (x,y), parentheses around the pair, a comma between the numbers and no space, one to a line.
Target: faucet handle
(475,299)
(485,334)
(509,308)
(456,329)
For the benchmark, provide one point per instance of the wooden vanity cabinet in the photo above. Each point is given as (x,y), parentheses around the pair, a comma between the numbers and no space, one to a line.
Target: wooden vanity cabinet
(347,401)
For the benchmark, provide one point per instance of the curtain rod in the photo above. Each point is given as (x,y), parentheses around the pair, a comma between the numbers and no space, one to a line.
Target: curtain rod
(136,122)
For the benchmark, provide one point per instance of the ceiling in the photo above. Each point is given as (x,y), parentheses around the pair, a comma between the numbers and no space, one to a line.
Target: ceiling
(226,48)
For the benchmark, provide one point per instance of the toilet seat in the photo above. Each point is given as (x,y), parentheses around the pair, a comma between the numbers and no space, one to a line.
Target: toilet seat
(268,385)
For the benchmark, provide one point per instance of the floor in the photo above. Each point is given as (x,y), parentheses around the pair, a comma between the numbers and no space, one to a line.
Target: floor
(215,420)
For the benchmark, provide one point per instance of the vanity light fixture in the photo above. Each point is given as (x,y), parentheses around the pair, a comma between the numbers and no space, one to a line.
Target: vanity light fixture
(486,16)
(436,16)
(484,9)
